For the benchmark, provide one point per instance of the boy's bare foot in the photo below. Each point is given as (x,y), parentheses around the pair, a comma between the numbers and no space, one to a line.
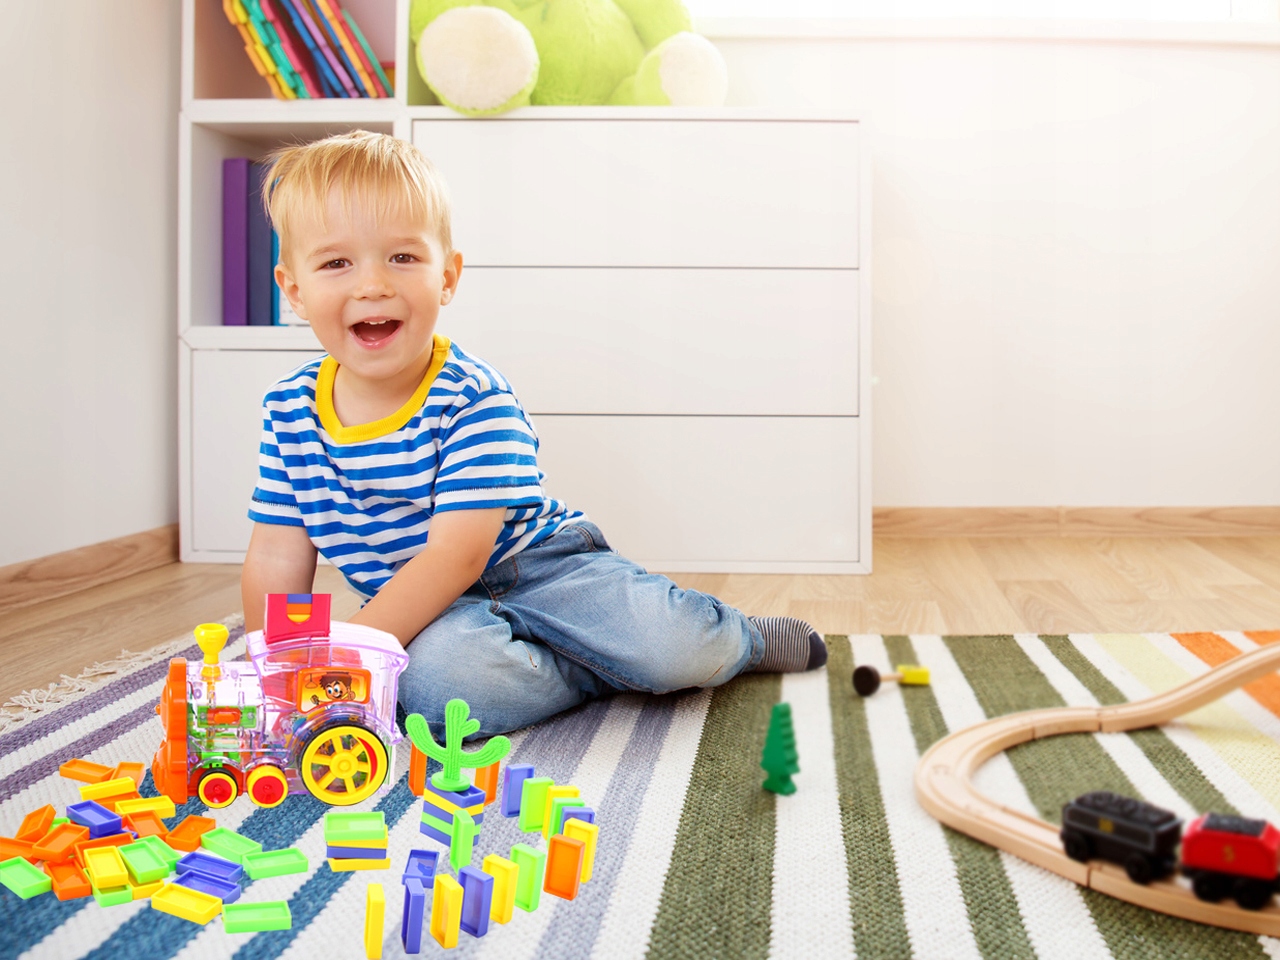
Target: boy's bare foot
(790,645)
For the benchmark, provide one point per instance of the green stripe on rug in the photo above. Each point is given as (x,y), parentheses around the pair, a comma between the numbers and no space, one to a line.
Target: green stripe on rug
(875,904)
(1165,755)
(718,894)
(988,895)
(1055,770)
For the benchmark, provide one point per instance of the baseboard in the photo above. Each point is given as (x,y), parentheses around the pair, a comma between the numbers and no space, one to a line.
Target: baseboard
(46,578)
(1076,521)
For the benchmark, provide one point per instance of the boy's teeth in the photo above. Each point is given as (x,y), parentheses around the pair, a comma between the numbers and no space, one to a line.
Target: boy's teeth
(371,331)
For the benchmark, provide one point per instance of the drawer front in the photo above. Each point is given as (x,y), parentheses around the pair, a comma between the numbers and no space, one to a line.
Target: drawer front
(226,426)
(757,342)
(681,490)
(648,193)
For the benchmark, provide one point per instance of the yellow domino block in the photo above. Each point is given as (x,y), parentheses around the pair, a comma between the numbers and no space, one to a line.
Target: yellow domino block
(913,676)
(375,905)
(362,844)
(185,903)
(106,867)
(143,890)
(346,866)
(446,911)
(552,794)
(504,873)
(588,833)
(161,805)
(107,788)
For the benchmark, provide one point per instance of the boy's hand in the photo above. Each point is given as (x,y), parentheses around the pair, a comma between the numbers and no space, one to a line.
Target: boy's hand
(281,559)
(455,556)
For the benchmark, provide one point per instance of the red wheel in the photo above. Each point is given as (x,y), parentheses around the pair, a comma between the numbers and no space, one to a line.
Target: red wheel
(217,789)
(267,786)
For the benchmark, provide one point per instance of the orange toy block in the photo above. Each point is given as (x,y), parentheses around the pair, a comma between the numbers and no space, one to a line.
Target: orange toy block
(186,835)
(131,770)
(146,823)
(86,771)
(487,780)
(115,840)
(564,866)
(36,823)
(58,845)
(417,771)
(10,848)
(69,881)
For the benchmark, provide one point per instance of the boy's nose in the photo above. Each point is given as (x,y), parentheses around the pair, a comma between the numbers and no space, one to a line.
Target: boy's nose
(374,284)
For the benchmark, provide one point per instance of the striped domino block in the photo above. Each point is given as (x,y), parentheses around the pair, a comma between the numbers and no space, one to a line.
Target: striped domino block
(441,830)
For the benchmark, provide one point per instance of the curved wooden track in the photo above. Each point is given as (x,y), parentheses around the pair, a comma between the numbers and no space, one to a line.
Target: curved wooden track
(944,788)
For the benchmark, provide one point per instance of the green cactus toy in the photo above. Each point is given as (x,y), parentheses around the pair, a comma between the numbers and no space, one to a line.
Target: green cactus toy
(451,756)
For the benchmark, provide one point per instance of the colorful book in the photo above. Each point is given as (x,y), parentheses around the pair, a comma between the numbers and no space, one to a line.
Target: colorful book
(301,65)
(265,32)
(261,262)
(324,16)
(369,54)
(258,54)
(235,241)
(329,84)
(309,17)
(334,13)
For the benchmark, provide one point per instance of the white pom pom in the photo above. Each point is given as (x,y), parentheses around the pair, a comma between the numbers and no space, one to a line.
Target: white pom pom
(692,71)
(477,58)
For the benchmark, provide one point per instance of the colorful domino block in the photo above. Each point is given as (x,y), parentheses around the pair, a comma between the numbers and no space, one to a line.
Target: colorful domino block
(421,865)
(533,796)
(375,904)
(564,866)
(415,909)
(530,863)
(552,795)
(446,911)
(513,778)
(505,875)
(487,780)
(477,901)
(588,833)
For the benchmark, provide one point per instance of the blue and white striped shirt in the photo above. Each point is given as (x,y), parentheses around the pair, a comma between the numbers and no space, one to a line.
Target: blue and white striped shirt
(366,494)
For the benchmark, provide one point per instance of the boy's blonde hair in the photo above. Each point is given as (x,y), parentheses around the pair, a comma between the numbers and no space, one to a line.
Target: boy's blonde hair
(367,169)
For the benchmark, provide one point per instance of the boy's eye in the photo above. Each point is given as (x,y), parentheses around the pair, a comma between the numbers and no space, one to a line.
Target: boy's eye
(334,264)
(403,258)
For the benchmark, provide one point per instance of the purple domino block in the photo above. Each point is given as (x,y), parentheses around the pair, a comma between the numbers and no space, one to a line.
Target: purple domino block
(422,866)
(513,778)
(225,890)
(210,865)
(469,797)
(355,853)
(100,821)
(576,813)
(415,908)
(477,900)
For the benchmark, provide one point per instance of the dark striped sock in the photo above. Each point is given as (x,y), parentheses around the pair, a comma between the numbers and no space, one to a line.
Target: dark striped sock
(790,645)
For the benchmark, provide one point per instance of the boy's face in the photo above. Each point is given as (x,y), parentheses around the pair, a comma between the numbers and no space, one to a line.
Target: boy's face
(371,287)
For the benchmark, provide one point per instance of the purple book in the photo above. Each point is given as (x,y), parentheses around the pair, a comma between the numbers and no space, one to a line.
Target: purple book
(235,242)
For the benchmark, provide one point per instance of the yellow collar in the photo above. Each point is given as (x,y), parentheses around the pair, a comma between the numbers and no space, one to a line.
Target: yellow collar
(378,428)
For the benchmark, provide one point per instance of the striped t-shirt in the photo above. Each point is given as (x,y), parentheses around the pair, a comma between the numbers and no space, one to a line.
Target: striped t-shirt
(366,494)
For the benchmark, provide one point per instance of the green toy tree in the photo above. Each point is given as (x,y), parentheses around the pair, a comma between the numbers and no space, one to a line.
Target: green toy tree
(780,759)
(456,728)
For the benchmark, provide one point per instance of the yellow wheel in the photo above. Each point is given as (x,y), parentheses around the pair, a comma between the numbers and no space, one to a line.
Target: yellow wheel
(217,789)
(267,786)
(344,765)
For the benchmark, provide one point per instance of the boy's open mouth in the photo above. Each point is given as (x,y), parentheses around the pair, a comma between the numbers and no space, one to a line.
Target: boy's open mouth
(375,331)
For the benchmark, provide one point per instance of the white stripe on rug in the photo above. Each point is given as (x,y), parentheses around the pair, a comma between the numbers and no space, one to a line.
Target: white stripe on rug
(810,912)
(1054,915)
(933,907)
(625,930)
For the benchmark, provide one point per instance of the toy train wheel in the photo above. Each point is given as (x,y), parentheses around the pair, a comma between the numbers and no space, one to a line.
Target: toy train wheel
(267,786)
(1210,887)
(343,765)
(1077,845)
(217,789)
(1139,869)
(1252,894)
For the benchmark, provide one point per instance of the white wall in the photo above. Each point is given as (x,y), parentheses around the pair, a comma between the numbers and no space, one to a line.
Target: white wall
(88,365)
(1077,263)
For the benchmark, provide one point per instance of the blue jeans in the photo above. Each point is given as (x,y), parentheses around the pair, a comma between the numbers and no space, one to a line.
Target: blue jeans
(565,621)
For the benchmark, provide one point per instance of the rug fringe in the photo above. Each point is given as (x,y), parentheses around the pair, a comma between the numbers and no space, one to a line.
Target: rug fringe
(29,704)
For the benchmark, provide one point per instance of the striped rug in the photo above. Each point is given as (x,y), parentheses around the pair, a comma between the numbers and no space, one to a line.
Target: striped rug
(695,860)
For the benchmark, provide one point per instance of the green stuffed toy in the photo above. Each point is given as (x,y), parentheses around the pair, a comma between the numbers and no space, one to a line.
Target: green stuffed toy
(484,57)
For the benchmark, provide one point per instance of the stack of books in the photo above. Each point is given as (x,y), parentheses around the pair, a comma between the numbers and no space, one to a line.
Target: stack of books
(307,49)
(250,249)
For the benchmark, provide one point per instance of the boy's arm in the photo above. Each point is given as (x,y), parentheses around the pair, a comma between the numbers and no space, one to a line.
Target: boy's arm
(455,556)
(281,559)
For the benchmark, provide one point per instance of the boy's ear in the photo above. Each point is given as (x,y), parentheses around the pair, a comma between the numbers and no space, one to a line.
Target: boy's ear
(452,273)
(289,287)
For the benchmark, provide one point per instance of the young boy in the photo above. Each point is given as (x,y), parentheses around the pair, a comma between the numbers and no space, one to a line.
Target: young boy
(413,468)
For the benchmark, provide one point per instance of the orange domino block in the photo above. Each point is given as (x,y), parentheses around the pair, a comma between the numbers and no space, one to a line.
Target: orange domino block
(186,835)
(58,845)
(487,780)
(146,823)
(84,846)
(69,881)
(36,823)
(86,771)
(10,848)
(107,788)
(417,771)
(131,770)
(564,866)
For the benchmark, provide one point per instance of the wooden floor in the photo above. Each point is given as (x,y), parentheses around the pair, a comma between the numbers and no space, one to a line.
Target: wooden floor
(955,586)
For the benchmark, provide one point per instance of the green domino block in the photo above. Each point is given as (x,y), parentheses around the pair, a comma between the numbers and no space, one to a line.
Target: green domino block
(531,863)
(166,853)
(444,826)
(23,878)
(558,807)
(340,828)
(255,917)
(533,797)
(113,896)
(462,844)
(229,844)
(144,863)
(275,863)
(58,821)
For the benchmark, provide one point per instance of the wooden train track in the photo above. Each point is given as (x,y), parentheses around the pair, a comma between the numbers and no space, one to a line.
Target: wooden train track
(944,787)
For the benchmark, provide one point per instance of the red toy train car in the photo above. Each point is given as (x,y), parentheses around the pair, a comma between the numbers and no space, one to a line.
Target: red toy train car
(1229,856)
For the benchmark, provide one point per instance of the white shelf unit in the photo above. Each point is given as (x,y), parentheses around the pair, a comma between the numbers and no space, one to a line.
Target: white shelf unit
(681,299)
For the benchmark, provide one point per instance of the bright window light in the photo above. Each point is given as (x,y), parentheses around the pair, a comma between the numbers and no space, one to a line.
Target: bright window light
(1185,10)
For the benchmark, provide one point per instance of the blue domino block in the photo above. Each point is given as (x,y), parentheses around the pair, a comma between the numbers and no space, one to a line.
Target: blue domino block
(356,853)
(210,865)
(513,778)
(415,908)
(100,821)
(225,890)
(477,900)
(470,797)
(447,815)
(576,813)
(435,834)
(421,865)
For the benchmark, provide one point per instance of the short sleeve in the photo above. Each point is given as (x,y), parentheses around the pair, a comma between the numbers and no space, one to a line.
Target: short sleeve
(273,500)
(488,457)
